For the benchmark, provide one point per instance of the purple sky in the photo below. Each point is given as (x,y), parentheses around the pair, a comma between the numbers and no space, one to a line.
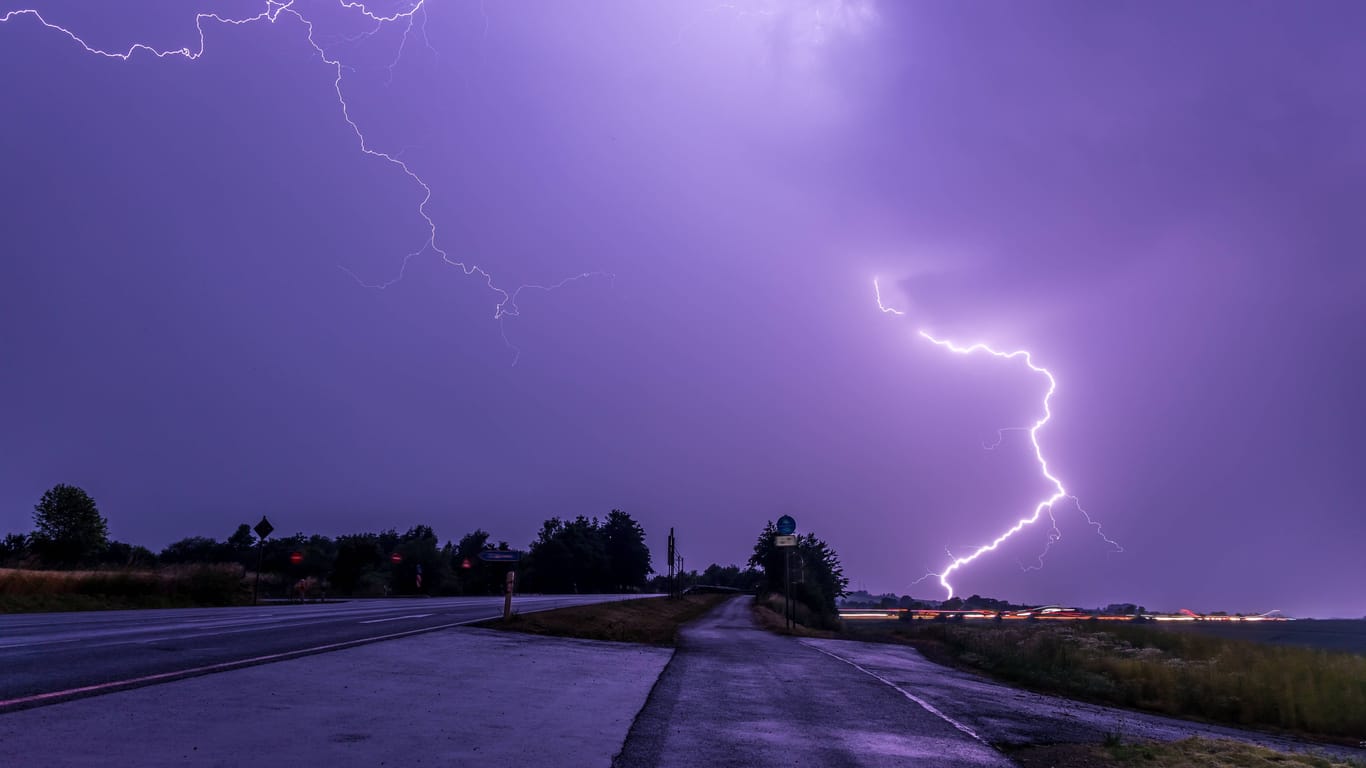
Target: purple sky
(1162,202)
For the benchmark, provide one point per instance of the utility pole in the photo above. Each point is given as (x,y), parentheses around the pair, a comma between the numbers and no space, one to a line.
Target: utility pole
(671,563)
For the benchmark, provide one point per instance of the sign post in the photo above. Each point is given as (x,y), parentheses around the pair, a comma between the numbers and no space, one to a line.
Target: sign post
(263,530)
(787,542)
(507,597)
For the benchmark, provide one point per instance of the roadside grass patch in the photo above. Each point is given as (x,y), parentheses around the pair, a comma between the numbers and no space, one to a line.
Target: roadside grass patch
(1236,682)
(1194,752)
(170,587)
(768,612)
(650,620)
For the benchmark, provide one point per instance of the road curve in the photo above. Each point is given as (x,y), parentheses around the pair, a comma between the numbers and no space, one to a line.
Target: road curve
(51,657)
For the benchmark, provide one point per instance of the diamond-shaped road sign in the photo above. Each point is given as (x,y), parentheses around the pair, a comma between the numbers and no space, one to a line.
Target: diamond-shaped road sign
(264,527)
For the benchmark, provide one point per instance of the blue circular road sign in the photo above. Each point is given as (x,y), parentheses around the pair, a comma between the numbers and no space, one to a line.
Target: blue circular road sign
(786,525)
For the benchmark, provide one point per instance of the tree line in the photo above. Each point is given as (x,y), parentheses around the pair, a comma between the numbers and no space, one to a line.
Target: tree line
(577,555)
(581,554)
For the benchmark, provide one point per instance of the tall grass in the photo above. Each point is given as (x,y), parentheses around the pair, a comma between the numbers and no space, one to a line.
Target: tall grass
(802,613)
(173,586)
(1183,674)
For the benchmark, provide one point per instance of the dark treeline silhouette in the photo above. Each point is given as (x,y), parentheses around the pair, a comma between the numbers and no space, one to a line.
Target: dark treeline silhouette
(579,555)
(729,576)
(817,577)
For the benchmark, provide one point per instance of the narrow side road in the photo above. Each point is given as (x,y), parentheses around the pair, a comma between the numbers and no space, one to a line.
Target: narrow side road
(735,695)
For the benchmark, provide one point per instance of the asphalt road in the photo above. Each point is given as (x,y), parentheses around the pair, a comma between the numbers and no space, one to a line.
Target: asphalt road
(51,657)
(735,695)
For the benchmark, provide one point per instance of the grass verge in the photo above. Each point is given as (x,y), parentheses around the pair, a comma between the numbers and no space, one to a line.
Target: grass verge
(768,612)
(652,620)
(1196,753)
(171,587)
(1310,692)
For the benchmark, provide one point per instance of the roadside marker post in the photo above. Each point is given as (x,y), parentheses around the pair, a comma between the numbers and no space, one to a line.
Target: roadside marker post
(263,530)
(507,597)
(785,540)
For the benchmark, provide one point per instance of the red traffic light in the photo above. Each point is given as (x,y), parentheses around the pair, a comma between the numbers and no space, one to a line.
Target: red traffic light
(396,558)
(296,557)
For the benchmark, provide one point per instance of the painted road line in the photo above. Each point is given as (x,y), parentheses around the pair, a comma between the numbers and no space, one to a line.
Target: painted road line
(396,618)
(53,696)
(928,707)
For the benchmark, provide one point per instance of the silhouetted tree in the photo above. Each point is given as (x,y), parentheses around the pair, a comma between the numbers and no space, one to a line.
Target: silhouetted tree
(628,559)
(69,527)
(731,576)
(569,557)
(357,555)
(417,547)
(480,578)
(13,547)
(120,553)
(195,549)
(816,571)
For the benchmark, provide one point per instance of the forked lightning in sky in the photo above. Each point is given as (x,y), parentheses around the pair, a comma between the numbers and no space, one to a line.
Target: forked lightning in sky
(1045,505)
(272,12)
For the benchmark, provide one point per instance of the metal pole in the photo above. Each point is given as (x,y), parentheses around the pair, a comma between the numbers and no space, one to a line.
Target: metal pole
(260,558)
(671,562)
(787,588)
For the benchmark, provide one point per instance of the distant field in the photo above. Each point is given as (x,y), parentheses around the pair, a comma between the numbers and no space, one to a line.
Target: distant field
(1325,634)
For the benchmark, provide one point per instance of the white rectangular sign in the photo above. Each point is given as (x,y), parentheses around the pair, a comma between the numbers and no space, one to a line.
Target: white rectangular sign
(784,541)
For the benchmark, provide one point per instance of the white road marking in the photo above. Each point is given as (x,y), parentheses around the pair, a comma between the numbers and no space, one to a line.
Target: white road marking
(223,666)
(395,618)
(928,707)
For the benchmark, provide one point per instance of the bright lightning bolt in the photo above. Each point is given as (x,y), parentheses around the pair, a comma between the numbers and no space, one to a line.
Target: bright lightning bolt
(1045,505)
(506,305)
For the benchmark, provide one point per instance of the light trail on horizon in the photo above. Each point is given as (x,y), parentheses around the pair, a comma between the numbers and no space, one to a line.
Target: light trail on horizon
(506,305)
(1060,492)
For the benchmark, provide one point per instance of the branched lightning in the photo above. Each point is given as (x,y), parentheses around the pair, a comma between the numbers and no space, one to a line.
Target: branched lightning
(1046,505)
(506,305)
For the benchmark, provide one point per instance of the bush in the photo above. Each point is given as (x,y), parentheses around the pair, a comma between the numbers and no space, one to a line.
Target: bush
(121,588)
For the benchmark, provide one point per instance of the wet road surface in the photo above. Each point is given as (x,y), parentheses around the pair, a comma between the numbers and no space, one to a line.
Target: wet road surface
(47,657)
(736,695)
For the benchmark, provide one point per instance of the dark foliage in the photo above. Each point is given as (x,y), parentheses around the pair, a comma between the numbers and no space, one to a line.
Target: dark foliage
(816,571)
(68,527)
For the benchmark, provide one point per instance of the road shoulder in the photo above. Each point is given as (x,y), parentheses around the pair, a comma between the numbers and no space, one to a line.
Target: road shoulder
(1003,715)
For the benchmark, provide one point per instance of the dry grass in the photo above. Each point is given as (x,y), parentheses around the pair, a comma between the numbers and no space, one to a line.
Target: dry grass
(652,620)
(1195,753)
(769,614)
(1299,690)
(176,586)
